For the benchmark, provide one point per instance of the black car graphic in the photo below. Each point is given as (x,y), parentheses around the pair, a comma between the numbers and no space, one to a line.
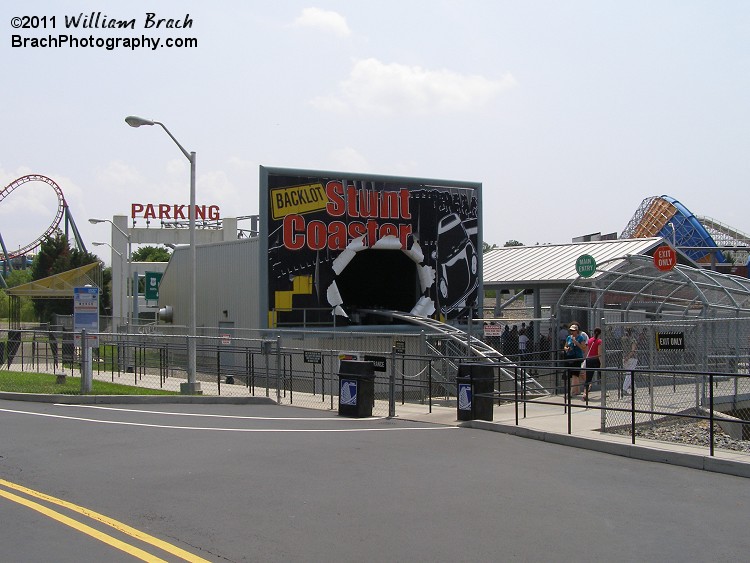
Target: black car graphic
(456,263)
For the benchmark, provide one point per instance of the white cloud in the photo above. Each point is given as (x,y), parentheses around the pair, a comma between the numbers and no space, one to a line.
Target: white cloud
(242,164)
(118,174)
(387,89)
(347,159)
(323,20)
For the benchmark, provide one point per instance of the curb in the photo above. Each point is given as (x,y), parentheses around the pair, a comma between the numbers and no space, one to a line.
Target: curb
(136,399)
(633,451)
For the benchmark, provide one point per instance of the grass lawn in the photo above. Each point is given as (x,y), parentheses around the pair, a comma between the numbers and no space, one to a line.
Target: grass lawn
(29,382)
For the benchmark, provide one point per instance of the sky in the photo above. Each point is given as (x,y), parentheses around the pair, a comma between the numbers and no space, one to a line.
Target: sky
(570,113)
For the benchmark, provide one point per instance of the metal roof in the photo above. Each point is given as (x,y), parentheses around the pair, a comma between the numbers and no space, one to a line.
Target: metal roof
(60,285)
(555,264)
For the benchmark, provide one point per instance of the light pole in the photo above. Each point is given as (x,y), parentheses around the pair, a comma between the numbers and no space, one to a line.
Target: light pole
(192,387)
(122,267)
(124,288)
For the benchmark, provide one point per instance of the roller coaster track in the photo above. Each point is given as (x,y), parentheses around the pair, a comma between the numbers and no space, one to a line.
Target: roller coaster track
(475,347)
(63,211)
(725,235)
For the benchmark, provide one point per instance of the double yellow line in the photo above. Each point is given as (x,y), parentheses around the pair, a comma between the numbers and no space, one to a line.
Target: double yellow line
(94,533)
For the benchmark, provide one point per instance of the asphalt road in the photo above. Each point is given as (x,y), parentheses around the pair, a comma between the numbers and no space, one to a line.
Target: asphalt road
(270,483)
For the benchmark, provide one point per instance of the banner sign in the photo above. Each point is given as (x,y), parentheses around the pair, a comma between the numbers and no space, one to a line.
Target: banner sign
(338,245)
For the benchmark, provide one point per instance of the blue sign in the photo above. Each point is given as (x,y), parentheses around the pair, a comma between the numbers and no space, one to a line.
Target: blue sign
(348,392)
(464,396)
(86,313)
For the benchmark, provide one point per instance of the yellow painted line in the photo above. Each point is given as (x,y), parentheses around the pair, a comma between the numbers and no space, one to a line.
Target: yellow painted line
(119,526)
(96,534)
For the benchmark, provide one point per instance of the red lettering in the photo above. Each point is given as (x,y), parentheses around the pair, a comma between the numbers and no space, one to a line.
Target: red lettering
(368,203)
(351,201)
(356,230)
(405,212)
(403,233)
(292,225)
(389,209)
(372,232)
(388,229)
(317,235)
(336,205)
(173,211)
(337,236)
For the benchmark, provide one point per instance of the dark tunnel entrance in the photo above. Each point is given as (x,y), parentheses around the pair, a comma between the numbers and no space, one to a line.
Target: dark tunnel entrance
(379,279)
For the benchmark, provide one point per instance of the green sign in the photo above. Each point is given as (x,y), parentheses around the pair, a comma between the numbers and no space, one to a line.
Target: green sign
(153,279)
(585,265)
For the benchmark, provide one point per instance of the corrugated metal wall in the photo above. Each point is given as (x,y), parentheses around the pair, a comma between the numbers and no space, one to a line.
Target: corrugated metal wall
(227,278)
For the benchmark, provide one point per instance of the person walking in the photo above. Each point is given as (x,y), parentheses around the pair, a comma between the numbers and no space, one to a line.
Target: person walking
(629,359)
(593,361)
(575,345)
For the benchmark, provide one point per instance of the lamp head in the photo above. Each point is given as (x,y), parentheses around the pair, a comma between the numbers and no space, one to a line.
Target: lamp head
(96,221)
(135,121)
(98,243)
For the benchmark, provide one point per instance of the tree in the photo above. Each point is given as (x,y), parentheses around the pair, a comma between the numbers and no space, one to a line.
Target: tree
(55,256)
(486,247)
(513,242)
(18,277)
(105,294)
(14,278)
(152,254)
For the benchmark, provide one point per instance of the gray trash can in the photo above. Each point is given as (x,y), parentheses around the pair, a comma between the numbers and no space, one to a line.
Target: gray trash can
(472,380)
(356,388)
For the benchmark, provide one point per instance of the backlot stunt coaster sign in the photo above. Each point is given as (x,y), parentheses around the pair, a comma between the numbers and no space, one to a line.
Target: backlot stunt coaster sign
(342,244)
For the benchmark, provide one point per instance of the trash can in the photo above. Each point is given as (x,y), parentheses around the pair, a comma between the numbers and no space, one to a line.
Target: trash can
(356,388)
(473,380)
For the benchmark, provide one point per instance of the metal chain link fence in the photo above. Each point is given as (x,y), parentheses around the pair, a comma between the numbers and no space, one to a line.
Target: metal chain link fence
(681,368)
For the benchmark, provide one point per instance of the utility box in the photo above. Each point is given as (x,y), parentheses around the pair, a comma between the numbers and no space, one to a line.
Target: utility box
(356,388)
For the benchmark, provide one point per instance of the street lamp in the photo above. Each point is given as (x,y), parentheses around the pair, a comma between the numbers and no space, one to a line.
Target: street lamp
(122,267)
(192,386)
(123,289)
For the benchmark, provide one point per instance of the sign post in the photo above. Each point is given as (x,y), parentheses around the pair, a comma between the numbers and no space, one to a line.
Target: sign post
(85,328)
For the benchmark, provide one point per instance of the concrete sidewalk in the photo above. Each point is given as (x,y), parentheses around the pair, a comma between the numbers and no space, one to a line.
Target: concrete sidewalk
(549,423)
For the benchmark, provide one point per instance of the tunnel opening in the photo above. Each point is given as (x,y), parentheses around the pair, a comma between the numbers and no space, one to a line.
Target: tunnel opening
(379,279)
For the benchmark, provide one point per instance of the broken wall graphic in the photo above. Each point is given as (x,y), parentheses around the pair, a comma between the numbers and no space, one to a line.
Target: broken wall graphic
(369,243)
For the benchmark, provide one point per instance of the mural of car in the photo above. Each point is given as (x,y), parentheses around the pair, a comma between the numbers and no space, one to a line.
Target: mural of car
(457,264)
